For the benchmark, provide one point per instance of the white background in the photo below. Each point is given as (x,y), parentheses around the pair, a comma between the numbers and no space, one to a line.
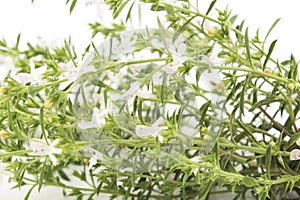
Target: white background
(50,20)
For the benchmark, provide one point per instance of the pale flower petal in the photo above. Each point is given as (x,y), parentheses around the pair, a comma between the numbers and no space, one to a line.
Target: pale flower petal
(41,148)
(98,118)
(295,154)
(298,142)
(213,59)
(153,130)
(160,138)
(92,162)
(53,159)
(172,67)
(196,159)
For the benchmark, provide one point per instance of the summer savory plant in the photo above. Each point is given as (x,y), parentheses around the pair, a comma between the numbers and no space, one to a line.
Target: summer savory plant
(189,109)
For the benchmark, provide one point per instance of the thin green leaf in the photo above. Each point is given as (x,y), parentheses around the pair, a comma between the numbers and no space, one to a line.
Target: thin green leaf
(43,135)
(212,4)
(247,45)
(269,53)
(73,4)
(140,111)
(268,160)
(203,111)
(163,89)
(243,92)
(129,12)
(271,28)
(18,41)
(30,190)
(117,12)
(205,189)
(264,102)
(182,28)
(63,175)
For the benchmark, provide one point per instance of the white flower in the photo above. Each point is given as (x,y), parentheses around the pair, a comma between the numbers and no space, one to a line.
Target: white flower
(213,59)
(35,75)
(196,159)
(172,67)
(41,148)
(127,44)
(298,142)
(153,130)
(69,71)
(34,110)
(295,154)
(98,119)
(96,155)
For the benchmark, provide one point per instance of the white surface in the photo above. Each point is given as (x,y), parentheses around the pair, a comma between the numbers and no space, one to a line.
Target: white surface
(50,19)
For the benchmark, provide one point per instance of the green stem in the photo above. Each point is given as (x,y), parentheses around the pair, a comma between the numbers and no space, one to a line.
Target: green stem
(15,153)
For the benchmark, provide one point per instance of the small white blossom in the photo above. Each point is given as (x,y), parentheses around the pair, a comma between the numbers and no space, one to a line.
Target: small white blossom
(196,159)
(172,67)
(98,119)
(298,142)
(153,130)
(96,155)
(127,44)
(213,59)
(34,110)
(41,148)
(35,75)
(70,72)
(295,154)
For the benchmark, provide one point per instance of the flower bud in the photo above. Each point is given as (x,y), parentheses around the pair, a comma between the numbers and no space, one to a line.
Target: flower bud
(272,144)
(291,86)
(86,161)
(204,130)
(211,31)
(220,85)
(3,90)
(206,137)
(268,71)
(48,104)
(3,134)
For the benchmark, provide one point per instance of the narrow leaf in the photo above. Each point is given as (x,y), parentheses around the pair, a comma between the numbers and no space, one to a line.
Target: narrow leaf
(73,6)
(182,28)
(242,97)
(247,45)
(269,53)
(268,159)
(212,4)
(264,102)
(119,10)
(203,111)
(271,28)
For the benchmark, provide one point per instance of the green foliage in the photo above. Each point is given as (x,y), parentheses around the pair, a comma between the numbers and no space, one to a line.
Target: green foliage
(252,150)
